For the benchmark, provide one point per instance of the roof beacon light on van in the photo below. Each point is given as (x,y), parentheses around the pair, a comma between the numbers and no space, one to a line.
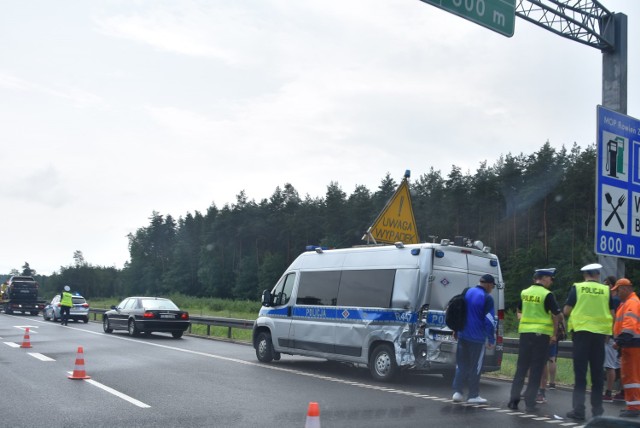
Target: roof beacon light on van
(399,244)
(445,242)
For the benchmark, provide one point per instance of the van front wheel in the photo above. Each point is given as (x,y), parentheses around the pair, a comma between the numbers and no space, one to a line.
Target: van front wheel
(382,363)
(264,348)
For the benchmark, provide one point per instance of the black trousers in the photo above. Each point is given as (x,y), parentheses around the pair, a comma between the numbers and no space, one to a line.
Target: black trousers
(64,314)
(532,356)
(588,351)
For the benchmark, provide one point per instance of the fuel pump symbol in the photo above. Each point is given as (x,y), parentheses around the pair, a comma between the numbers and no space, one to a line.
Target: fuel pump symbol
(615,157)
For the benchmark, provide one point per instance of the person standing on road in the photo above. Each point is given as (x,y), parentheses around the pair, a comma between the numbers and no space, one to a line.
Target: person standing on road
(611,357)
(626,330)
(551,366)
(589,309)
(538,328)
(66,302)
(478,332)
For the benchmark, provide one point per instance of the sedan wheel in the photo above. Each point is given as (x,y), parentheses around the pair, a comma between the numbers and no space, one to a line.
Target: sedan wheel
(44,316)
(133,330)
(106,326)
(176,334)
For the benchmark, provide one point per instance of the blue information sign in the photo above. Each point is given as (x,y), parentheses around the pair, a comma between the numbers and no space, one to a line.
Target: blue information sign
(618,185)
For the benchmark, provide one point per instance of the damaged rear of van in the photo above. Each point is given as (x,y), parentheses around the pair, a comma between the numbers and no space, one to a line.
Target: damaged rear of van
(378,306)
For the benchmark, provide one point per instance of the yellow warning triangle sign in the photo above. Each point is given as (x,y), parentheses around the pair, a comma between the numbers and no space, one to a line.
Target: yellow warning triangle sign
(396,222)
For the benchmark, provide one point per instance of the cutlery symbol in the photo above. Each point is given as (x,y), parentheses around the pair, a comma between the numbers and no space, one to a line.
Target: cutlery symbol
(621,200)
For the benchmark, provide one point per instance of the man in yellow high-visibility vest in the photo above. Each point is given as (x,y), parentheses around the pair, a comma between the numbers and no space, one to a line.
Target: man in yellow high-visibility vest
(590,310)
(66,302)
(538,329)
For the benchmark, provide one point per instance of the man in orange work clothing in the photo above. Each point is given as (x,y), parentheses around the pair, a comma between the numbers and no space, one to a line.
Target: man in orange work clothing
(626,330)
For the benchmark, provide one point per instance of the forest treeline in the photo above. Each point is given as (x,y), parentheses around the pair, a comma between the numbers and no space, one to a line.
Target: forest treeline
(533,210)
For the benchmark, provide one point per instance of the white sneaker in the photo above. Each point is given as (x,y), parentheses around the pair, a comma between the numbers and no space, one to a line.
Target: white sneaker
(477,400)
(457,397)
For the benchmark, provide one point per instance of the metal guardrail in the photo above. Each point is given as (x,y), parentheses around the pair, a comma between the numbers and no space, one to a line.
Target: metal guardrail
(510,344)
(229,323)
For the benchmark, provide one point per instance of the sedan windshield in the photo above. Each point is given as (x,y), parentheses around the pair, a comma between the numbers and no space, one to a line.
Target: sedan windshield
(158,304)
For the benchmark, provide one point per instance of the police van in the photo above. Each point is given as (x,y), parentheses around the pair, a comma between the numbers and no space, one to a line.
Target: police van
(379,306)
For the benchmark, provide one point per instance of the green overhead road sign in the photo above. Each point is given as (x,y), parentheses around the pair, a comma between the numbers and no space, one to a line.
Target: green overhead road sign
(496,15)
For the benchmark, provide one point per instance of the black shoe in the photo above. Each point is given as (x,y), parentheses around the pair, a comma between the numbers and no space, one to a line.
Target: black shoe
(627,413)
(572,414)
(513,405)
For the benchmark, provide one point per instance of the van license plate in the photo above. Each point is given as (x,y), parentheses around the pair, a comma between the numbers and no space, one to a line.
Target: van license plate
(444,338)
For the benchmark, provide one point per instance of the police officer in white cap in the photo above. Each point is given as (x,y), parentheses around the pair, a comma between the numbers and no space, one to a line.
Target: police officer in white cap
(66,302)
(590,310)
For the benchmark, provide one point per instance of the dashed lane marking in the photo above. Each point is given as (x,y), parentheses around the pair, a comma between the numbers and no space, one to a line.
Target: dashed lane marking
(40,356)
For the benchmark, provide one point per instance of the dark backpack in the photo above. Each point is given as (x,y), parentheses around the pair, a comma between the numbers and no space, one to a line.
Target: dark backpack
(456,311)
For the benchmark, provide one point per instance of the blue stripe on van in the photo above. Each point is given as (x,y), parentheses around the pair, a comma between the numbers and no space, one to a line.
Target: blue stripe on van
(274,311)
(343,313)
(354,314)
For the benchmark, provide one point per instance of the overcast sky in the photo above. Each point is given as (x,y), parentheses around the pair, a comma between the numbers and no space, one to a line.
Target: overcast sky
(111,110)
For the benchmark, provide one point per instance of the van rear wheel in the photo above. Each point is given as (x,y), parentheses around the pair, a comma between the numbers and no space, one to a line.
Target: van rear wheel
(264,348)
(382,363)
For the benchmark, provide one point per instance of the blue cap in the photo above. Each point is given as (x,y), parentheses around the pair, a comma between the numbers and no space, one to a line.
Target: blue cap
(488,279)
(545,272)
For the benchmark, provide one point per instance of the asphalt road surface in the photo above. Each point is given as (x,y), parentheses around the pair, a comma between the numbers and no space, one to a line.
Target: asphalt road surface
(157,381)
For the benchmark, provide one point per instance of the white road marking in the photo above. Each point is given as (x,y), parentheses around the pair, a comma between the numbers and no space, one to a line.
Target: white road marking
(12,344)
(40,356)
(116,393)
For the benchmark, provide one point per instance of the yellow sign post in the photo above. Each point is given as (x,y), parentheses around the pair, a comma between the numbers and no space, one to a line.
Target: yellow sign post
(396,222)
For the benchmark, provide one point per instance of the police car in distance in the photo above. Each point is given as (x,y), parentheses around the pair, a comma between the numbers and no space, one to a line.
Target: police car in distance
(78,312)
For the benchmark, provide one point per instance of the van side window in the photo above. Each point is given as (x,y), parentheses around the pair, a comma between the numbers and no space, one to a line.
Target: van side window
(318,288)
(366,288)
(371,288)
(282,291)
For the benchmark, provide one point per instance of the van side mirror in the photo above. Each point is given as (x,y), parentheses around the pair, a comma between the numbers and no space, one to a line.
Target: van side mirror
(266,298)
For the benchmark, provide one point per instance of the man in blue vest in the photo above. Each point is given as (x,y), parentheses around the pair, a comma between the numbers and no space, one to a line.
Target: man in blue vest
(66,302)
(478,332)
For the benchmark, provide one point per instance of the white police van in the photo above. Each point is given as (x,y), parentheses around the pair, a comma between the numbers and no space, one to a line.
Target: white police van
(380,306)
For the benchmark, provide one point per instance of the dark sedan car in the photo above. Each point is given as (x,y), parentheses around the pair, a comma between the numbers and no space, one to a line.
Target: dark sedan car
(146,315)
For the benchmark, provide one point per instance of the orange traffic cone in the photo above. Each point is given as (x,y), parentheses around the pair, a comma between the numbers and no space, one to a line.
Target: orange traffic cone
(78,372)
(313,416)
(26,343)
